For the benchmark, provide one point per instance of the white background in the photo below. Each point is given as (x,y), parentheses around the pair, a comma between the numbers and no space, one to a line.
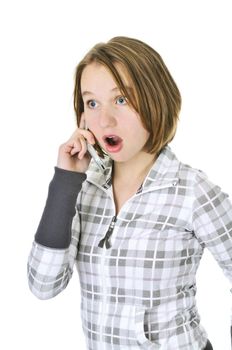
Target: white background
(41,42)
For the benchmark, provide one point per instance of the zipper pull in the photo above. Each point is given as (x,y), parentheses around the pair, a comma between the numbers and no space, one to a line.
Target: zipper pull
(107,235)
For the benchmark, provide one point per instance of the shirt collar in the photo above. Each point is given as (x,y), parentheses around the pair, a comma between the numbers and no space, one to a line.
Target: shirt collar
(164,172)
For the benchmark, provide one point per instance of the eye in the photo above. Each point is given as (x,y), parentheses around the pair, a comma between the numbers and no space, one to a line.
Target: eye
(121,100)
(92,104)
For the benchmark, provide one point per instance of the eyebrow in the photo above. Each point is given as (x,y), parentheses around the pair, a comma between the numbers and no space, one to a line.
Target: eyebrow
(84,93)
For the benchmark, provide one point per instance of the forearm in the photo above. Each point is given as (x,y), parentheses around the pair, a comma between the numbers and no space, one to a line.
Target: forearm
(54,229)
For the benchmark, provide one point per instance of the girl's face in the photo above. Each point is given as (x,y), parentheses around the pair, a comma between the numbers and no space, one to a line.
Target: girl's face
(115,125)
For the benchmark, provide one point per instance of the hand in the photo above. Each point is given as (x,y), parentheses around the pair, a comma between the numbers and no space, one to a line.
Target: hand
(73,155)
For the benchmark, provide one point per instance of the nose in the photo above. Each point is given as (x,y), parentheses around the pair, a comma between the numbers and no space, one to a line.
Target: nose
(106,118)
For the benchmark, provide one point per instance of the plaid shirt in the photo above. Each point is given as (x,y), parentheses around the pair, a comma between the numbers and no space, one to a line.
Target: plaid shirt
(137,269)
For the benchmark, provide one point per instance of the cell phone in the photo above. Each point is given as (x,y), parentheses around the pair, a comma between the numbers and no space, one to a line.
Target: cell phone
(94,155)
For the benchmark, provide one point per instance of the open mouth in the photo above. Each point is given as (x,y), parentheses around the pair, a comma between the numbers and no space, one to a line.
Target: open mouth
(112,140)
(113,143)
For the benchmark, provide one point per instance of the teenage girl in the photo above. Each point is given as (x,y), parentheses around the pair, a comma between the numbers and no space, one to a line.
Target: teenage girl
(134,219)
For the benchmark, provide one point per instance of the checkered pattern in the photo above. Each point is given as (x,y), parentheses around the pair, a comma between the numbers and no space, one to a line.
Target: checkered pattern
(140,293)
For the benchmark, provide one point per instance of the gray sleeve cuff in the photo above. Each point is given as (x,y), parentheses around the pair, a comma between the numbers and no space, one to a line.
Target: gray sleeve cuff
(54,229)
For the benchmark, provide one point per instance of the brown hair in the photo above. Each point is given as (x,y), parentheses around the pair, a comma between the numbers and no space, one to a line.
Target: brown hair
(155,96)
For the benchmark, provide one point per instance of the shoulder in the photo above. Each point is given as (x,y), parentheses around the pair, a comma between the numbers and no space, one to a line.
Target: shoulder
(192,176)
(198,182)
(188,176)
(196,179)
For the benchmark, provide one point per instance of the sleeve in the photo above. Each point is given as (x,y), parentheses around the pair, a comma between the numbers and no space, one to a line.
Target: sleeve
(51,260)
(212,222)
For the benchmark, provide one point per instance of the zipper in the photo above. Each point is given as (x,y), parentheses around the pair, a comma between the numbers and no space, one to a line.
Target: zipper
(106,238)
(104,299)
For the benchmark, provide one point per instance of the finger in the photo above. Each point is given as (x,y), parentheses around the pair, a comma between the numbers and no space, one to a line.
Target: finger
(67,147)
(74,148)
(87,135)
(80,132)
(83,148)
(74,136)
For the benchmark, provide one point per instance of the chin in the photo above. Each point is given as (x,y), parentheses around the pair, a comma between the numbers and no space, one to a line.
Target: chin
(119,158)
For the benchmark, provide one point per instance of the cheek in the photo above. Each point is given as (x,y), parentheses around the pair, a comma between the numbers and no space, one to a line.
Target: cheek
(138,130)
(146,135)
(93,126)
(91,120)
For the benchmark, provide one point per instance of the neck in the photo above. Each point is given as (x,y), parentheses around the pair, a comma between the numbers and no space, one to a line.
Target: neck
(133,171)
